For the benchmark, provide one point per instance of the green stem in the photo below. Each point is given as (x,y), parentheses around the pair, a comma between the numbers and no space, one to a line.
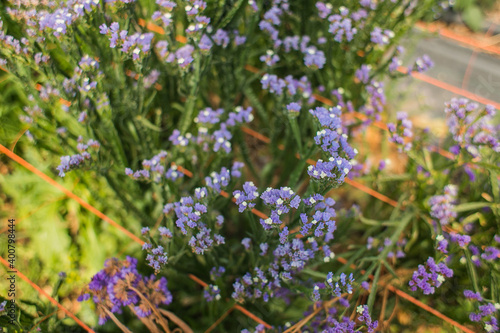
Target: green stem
(189,109)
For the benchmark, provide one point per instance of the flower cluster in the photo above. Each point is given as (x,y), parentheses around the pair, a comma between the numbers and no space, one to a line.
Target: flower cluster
(245,198)
(135,45)
(155,169)
(366,318)
(192,216)
(120,285)
(213,133)
(280,200)
(322,214)
(471,128)
(156,256)
(343,284)
(212,293)
(429,277)
(401,130)
(71,162)
(486,314)
(442,205)
(334,144)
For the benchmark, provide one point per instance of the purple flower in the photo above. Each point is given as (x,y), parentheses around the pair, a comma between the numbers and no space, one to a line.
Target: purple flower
(423,63)
(314,58)
(184,55)
(245,198)
(270,58)
(430,277)
(381,37)
(246,242)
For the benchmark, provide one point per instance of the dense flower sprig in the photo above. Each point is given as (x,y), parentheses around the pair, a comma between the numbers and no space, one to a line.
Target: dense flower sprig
(430,277)
(71,162)
(120,285)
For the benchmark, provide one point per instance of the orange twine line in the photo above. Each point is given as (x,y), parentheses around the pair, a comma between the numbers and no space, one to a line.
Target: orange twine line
(457,37)
(351,182)
(70,194)
(413,300)
(52,300)
(449,87)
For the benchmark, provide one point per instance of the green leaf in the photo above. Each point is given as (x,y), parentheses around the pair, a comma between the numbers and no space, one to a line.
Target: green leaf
(295,176)
(231,14)
(310,272)
(473,17)
(472,206)
(254,100)
(368,221)
(296,134)
(373,292)
(390,269)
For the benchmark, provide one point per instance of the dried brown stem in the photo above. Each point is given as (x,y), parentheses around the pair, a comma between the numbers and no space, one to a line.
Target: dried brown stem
(160,318)
(178,321)
(295,328)
(116,321)
(147,322)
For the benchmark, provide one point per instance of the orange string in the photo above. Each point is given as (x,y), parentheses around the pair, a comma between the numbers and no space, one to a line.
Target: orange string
(351,182)
(371,192)
(445,32)
(52,300)
(413,300)
(449,87)
(70,194)
(252,316)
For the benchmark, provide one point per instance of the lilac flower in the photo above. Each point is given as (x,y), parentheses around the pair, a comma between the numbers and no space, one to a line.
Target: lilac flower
(363,73)
(442,205)
(490,253)
(366,318)
(400,131)
(205,43)
(184,56)
(335,170)
(314,58)
(221,138)
(75,161)
(165,232)
(293,107)
(246,242)
(217,272)
(221,38)
(291,43)
(343,284)
(284,235)
(212,293)
(240,115)
(471,128)
(442,244)
(324,9)
(381,37)
(156,257)
(274,84)
(423,63)
(430,277)
(280,200)
(341,26)
(218,180)
(111,289)
(177,139)
(472,295)
(270,58)
(322,217)
(245,198)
